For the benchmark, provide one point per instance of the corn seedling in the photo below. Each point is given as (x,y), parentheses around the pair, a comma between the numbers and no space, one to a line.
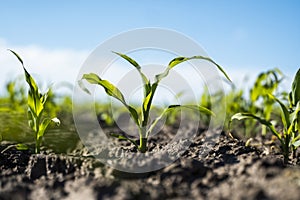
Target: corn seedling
(265,84)
(289,137)
(36,105)
(142,120)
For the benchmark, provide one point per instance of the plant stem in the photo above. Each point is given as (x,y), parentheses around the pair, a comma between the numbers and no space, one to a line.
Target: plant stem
(37,146)
(285,155)
(143,140)
(286,149)
(37,138)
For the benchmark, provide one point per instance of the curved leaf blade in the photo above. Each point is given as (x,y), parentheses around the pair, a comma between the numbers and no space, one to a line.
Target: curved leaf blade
(130,60)
(19,58)
(35,103)
(109,88)
(179,60)
(285,115)
(82,86)
(201,109)
(172,107)
(213,62)
(134,115)
(44,125)
(295,94)
(146,82)
(296,117)
(112,91)
(242,116)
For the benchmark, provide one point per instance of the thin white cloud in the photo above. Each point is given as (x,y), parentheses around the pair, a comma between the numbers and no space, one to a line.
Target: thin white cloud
(46,65)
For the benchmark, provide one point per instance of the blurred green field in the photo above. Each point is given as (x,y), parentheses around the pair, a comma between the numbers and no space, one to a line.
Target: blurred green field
(64,139)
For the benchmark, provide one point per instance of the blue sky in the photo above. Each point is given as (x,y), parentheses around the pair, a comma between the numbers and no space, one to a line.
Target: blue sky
(252,35)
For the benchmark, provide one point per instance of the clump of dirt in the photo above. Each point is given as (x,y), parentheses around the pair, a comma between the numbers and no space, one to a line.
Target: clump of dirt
(223,168)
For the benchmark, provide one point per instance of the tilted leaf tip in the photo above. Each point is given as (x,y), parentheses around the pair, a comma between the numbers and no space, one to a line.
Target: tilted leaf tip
(19,58)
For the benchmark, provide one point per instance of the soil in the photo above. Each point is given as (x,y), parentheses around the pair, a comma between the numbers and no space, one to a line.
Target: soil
(228,170)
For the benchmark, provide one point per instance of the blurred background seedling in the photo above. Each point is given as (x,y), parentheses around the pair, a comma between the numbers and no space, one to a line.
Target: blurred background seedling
(289,136)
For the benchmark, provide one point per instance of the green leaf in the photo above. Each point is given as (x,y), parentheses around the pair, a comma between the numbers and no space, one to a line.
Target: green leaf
(296,117)
(134,115)
(92,78)
(285,115)
(266,83)
(130,60)
(296,144)
(193,107)
(146,82)
(179,60)
(34,101)
(31,121)
(242,116)
(29,79)
(45,123)
(19,58)
(111,90)
(146,101)
(43,98)
(82,86)
(147,104)
(295,94)
(21,147)
(172,107)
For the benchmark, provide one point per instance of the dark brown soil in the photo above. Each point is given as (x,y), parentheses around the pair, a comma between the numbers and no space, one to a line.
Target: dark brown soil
(228,170)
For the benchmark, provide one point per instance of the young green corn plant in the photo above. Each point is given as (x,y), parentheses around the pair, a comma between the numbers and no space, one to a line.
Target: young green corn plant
(36,106)
(289,137)
(142,121)
(266,83)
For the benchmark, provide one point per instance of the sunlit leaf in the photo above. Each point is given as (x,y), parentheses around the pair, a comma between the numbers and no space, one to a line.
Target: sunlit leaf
(295,93)
(179,60)
(111,90)
(146,82)
(296,117)
(266,83)
(296,144)
(200,109)
(285,115)
(31,121)
(33,95)
(35,102)
(44,125)
(146,101)
(82,86)
(130,60)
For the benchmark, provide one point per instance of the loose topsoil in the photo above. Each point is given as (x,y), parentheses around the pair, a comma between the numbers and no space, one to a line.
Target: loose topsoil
(228,170)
